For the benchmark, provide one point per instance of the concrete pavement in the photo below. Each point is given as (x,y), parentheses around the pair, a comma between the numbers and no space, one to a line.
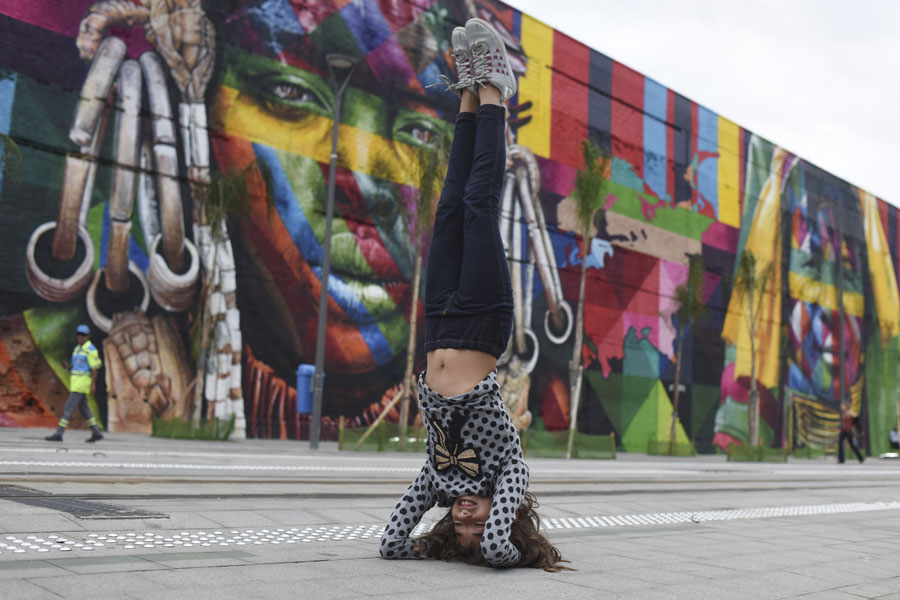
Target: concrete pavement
(138,517)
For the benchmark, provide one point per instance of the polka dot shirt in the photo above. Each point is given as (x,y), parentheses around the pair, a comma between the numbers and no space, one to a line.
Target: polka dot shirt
(473,450)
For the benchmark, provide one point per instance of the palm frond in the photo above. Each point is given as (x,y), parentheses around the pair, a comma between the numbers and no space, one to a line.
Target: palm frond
(689,295)
(590,184)
(227,195)
(11,163)
(427,173)
(432,160)
(752,280)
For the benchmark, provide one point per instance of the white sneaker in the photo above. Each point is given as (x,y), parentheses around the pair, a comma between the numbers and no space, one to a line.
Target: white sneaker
(489,61)
(463,56)
(463,60)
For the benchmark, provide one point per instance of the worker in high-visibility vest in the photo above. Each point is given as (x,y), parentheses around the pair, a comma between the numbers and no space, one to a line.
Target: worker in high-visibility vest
(82,381)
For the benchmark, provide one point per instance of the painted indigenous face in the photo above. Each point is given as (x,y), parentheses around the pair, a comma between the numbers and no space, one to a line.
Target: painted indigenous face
(826,262)
(276,106)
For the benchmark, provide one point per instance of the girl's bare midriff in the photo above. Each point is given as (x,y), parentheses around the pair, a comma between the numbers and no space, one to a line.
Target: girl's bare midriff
(451,371)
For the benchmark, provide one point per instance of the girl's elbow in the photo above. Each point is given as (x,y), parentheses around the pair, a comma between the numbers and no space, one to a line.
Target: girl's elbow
(498,557)
(388,550)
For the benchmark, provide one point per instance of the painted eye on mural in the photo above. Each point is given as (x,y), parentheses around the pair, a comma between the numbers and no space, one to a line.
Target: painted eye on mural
(292,97)
(417,129)
(286,91)
(421,134)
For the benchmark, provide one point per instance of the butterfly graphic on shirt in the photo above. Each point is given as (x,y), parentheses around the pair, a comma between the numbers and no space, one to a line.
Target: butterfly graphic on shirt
(450,451)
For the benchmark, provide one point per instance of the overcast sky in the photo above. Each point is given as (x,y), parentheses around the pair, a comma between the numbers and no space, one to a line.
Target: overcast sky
(819,77)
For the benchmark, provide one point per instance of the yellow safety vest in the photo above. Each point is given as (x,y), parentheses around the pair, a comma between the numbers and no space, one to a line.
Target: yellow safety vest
(85,358)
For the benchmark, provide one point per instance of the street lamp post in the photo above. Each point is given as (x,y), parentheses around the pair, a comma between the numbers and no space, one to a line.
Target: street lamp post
(341,68)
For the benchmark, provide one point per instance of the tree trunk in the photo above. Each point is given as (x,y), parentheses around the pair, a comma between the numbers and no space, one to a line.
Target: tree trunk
(674,420)
(410,352)
(754,393)
(575,370)
(206,282)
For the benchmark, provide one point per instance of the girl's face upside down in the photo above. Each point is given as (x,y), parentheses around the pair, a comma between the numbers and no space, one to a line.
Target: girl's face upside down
(469,515)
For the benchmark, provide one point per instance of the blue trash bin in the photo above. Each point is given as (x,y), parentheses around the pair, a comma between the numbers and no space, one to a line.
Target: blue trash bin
(305,375)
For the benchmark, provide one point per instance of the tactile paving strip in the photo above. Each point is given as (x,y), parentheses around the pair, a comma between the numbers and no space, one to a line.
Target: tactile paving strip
(674,518)
(186,539)
(22,543)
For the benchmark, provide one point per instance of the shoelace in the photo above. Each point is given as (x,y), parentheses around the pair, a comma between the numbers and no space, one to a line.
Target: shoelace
(479,64)
(464,70)
(444,80)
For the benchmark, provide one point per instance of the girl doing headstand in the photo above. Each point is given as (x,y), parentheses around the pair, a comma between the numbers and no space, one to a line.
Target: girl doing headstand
(474,465)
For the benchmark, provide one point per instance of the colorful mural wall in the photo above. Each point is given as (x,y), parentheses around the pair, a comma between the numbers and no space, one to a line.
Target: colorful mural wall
(127,113)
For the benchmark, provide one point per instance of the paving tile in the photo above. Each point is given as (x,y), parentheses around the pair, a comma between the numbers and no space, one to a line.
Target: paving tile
(712,590)
(655,593)
(19,589)
(48,522)
(774,584)
(238,518)
(187,576)
(652,556)
(196,559)
(95,585)
(702,570)
(20,569)
(541,587)
(105,564)
(370,585)
(458,574)
(319,569)
(873,589)
(658,575)
(443,593)
(864,566)
(840,577)
(863,549)
(829,595)
(768,560)
(607,582)
(608,562)
(711,550)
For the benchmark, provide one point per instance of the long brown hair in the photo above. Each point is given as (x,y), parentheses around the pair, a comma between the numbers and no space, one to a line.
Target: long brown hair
(535,549)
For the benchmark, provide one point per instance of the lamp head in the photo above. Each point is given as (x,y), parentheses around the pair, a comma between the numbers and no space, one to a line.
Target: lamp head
(340,67)
(340,61)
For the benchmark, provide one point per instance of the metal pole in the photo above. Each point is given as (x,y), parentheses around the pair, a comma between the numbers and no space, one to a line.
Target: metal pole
(319,376)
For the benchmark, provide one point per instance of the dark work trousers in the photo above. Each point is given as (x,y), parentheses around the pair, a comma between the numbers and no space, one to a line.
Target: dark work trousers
(848,436)
(468,296)
(77,401)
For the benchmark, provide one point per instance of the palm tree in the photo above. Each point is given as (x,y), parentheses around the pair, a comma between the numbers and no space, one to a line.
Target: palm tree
(689,296)
(11,163)
(589,196)
(750,284)
(427,172)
